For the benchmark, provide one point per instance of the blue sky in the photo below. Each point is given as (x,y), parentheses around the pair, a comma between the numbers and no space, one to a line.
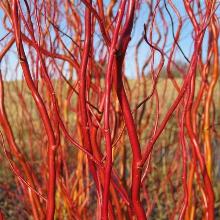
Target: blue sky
(185,42)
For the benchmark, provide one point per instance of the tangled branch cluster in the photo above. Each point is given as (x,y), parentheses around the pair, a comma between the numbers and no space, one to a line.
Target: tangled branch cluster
(84,141)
